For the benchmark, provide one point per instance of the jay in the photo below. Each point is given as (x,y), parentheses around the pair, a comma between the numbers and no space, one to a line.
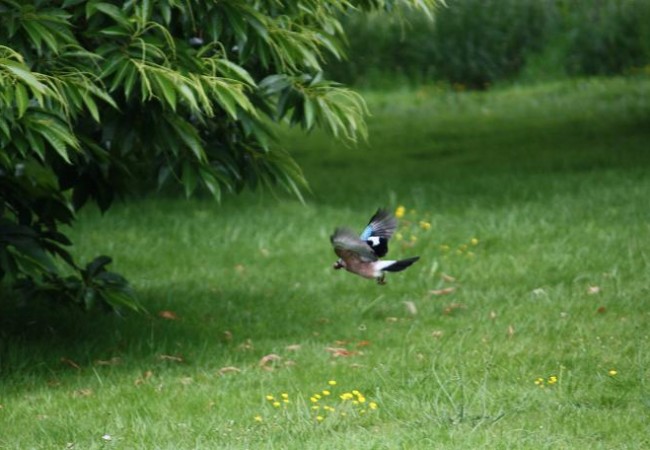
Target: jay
(360,254)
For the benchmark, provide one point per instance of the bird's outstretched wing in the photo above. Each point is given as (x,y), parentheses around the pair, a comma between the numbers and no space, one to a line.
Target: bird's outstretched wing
(379,230)
(348,245)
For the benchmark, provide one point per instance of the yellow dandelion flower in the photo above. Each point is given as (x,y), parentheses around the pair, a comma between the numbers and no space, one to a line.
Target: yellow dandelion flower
(315,407)
(474,241)
(332,382)
(552,379)
(425,225)
(413,238)
(612,372)
(284,395)
(355,392)
(355,402)
(257,418)
(362,399)
(276,404)
(313,399)
(286,400)
(344,414)
(373,405)
(317,396)
(270,398)
(400,211)
(345,396)
(320,418)
(326,392)
(539,381)
(399,236)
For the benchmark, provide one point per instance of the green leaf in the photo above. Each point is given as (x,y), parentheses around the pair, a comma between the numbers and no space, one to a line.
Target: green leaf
(92,106)
(211,183)
(167,88)
(110,10)
(24,74)
(97,265)
(189,136)
(189,178)
(189,96)
(22,99)
(230,68)
(36,143)
(309,113)
(116,31)
(59,135)
(68,3)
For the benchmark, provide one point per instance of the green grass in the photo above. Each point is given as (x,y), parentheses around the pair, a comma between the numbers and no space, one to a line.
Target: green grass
(552,180)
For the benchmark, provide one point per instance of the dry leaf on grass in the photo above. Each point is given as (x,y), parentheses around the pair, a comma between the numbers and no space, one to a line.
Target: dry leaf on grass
(453,307)
(293,347)
(410,307)
(172,358)
(443,291)
(340,351)
(86,392)
(246,345)
(447,277)
(168,315)
(267,362)
(591,290)
(69,362)
(511,331)
(601,310)
(228,369)
(437,334)
(145,376)
(109,362)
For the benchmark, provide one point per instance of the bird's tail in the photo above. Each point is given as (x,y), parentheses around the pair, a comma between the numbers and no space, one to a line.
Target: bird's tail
(398,266)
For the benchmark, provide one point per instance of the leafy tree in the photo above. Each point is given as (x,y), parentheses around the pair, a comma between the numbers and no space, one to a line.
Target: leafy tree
(93,93)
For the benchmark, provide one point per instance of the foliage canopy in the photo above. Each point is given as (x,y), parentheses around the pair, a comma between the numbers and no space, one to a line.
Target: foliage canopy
(96,93)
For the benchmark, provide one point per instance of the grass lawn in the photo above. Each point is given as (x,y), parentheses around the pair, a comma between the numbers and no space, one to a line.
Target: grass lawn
(524,325)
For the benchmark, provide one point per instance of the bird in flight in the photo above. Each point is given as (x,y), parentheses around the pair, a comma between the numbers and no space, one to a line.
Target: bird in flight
(360,254)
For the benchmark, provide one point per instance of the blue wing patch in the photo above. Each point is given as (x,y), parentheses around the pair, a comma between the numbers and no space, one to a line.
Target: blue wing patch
(367,232)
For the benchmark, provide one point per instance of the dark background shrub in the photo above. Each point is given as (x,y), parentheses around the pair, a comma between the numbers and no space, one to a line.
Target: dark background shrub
(474,43)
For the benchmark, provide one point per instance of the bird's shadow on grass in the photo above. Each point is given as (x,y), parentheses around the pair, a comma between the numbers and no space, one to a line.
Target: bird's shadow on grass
(38,338)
